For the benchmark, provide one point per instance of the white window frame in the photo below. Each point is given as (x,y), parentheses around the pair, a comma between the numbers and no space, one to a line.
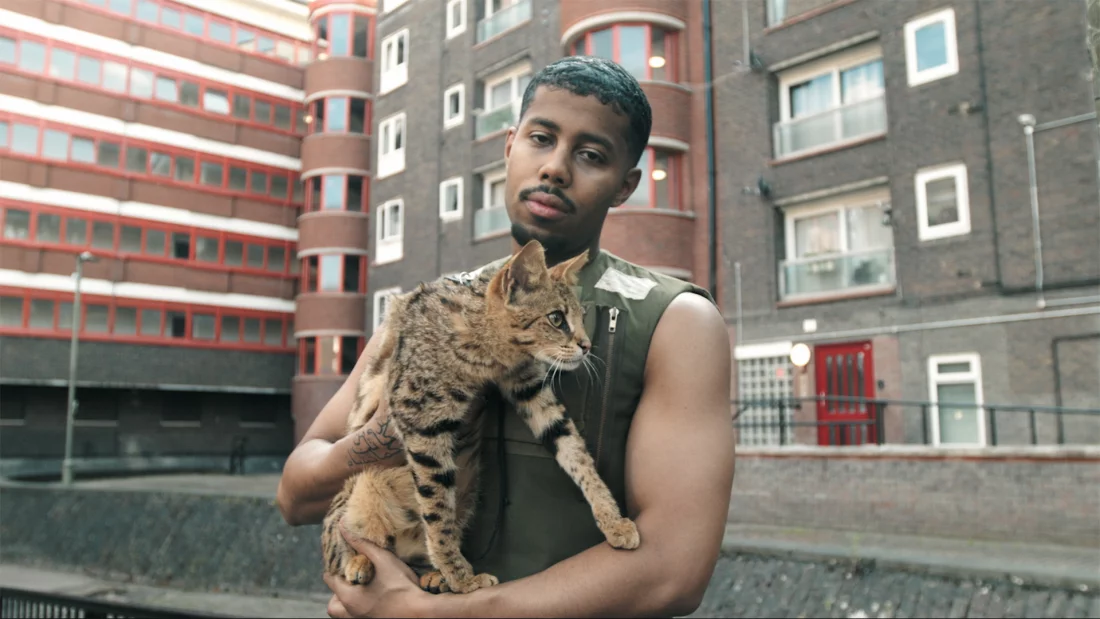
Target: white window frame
(389,5)
(962,197)
(511,74)
(459,118)
(458,183)
(392,162)
(392,77)
(379,297)
(389,244)
(834,64)
(487,183)
(841,206)
(916,77)
(974,376)
(453,30)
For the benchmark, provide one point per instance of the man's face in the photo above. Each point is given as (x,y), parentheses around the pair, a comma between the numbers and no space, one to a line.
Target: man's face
(567,165)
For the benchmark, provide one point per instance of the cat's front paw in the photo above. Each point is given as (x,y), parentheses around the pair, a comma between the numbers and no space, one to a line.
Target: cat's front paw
(481,581)
(359,570)
(433,582)
(623,534)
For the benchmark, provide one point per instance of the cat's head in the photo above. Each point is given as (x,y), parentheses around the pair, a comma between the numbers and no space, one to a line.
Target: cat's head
(538,306)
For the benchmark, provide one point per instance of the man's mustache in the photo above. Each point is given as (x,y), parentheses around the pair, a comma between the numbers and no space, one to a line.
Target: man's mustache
(554,191)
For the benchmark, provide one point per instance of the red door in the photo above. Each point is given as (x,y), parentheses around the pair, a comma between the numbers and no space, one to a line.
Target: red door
(845,371)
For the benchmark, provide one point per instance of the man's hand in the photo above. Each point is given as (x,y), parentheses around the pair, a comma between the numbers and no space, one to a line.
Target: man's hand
(394,591)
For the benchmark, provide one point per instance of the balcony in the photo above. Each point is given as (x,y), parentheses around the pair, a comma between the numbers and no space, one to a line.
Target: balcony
(496,119)
(490,220)
(503,19)
(837,274)
(847,123)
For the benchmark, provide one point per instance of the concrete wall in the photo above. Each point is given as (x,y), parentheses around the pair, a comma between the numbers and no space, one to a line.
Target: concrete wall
(1034,495)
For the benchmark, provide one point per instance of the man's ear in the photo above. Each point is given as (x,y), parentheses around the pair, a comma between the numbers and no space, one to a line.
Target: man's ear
(508,139)
(526,269)
(567,271)
(630,183)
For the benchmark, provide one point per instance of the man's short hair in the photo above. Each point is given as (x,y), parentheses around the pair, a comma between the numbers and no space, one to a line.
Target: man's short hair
(607,81)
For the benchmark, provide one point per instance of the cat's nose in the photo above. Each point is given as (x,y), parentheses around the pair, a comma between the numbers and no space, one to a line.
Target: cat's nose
(585,346)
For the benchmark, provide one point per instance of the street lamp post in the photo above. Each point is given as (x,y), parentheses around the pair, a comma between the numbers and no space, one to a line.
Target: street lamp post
(67,462)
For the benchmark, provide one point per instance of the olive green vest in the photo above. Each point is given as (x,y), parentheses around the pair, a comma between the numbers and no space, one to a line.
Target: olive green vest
(544,518)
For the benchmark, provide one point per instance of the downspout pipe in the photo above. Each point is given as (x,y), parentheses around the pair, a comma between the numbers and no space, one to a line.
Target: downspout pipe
(712,189)
(1028,121)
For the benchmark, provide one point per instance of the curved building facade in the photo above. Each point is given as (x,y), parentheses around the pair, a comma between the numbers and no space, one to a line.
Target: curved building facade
(334,223)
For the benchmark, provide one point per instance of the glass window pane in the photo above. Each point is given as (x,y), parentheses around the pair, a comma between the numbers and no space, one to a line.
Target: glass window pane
(24,139)
(284,50)
(83,150)
(931,43)
(354,200)
(95,319)
(167,90)
(641,195)
(360,28)
(658,59)
(958,421)
(333,191)
(3,134)
(121,6)
(216,101)
(125,321)
(242,107)
(276,258)
(812,96)
(17,224)
(55,145)
(252,330)
(238,178)
(632,50)
(7,50)
(175,324)
(862,82)
(265,45)
(601,44)
(336,115)
(206,249)
(189,93)
(108,154)
(273,332)
(114,78)
(231,329)
(171,17)
(942,201)
(185,169)
(147,11)
(76,231)
(661,183)
(234,253)
(358,116)
(32,56)
(136,159)
(263,112)
(211,174)
(259,182)
(817,235)
(181,246)
(193,24)
(103,235)
(255,256)
(155,241)
(141,84)
(282,116)
(279,186)
(202,326)
(352,273)
(160,164)
(340,45)
(87,70)
(130,240)
(11,311)
(48,229)
(245,38)
(150,322)
(41,314)
(62,64)
(220,32)
(65,316)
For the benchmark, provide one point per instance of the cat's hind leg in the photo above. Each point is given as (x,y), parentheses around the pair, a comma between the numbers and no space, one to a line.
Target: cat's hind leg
(372,512)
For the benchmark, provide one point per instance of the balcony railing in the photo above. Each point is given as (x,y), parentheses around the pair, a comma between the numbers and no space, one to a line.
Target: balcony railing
(833,127)
(837,273)
(490,220)
(496,119)
(503,19)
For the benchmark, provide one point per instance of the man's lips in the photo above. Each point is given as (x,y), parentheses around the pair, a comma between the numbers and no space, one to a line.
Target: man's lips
(546,206)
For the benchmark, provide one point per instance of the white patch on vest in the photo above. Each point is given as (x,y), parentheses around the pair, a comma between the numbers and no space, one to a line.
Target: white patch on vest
(628,286)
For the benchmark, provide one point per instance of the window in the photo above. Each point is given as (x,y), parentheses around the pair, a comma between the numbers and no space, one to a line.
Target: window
(777,12)
(17,224)
(450,199)
(7,50)
(381,304)
(943,202)
(456,18)
(391,220)
(502,15)
(659,186)
(391,145)
(838,246)
(395,61)
(955,388)
(931,50)
(492,217)
(334,273)
(329,355)
(340,114)
(32,57)
(11,312)
(501,100)
(454,106)
(62,64)
(830,102)
(646,51)
(389,5)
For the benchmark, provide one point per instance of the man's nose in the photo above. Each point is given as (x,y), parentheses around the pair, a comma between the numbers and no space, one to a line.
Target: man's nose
(555,171)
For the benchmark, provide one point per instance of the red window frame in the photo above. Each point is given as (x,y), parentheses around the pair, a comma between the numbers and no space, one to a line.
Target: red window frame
(320,120)
(66,215)
(582,46)
(295,111)
(315,194)
(254,172)
(673,180)
(313,265)
(113,304)
(312,343)
(301,50)
(321,44)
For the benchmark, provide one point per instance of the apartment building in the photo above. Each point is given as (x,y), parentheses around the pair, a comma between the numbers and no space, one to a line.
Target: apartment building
(913,197)
(162,139)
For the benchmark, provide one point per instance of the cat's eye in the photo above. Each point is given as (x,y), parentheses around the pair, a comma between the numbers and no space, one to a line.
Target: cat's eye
(556,318)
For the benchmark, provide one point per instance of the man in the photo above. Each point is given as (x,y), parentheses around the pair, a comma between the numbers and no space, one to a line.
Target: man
(655,416)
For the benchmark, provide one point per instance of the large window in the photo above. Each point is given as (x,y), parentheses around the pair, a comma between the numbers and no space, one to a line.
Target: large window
(943,202)
(49,314)
(492,217)
(502,96)
(391,145)
(659,186)
(390,226)
(344,34)
(341,115)
(454,106)
(337,192)
(955,388)
(163,164)
(451,199)
(334,273)
(329,355)
(931,50)
(381,304)
(830,102)
(648,52)
(456,18)
(838,246)
(395,61)
(501,16)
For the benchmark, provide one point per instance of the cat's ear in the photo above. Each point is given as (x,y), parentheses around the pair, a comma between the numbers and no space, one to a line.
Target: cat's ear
(567,271)
(526,270)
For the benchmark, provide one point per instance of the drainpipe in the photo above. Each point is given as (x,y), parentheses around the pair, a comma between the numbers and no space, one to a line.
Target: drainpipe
(1028,121)
(712,200)
(988,146)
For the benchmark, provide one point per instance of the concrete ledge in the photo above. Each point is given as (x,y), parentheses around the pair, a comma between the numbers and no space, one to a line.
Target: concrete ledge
(42,467)
(1074,453)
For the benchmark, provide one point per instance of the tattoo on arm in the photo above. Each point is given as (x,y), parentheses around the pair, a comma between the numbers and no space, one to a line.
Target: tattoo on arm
(372,445)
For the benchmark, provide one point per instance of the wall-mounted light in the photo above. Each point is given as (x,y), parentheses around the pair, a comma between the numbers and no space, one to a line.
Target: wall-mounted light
(659,175)
(656,61)
(308,118)
(800,355)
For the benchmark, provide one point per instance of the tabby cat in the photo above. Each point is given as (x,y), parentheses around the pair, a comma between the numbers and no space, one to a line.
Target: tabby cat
(443,345)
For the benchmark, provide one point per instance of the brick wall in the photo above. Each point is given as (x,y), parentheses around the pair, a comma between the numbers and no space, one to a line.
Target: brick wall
(1038,496)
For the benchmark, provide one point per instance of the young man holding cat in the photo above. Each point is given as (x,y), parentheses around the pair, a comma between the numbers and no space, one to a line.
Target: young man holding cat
(656,420)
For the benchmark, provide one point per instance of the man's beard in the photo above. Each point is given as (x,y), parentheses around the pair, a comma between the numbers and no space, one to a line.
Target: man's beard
(555,246)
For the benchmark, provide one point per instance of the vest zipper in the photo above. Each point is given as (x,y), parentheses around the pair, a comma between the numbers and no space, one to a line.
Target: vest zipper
(612,324)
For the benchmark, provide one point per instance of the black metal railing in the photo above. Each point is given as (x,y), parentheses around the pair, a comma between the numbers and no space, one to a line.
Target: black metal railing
(839,421)
(20,604)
